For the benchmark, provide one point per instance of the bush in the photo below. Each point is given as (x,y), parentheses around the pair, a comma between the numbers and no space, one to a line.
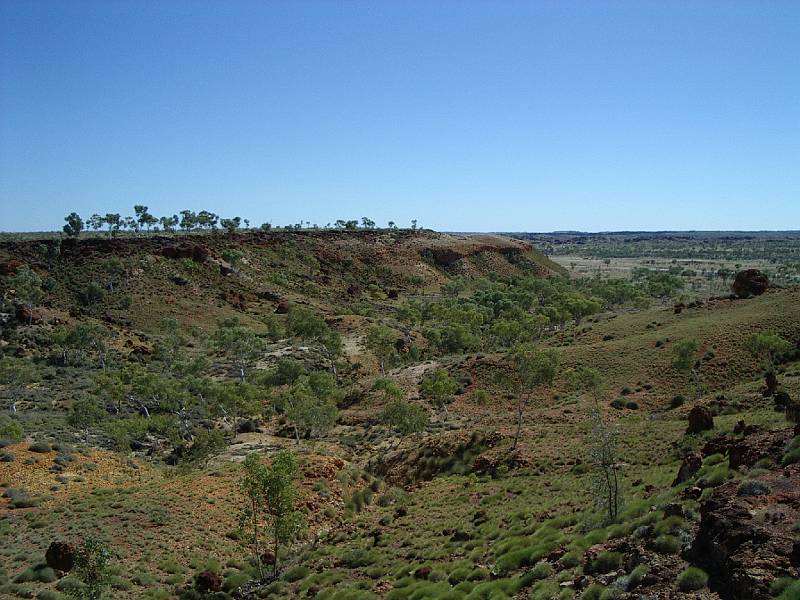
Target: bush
(11,430)
(618,403)
(753,488)
(792,454)
(606,561)
(677,401)
(360,557)
(692,579)
(542,570)
(40,447)
(667,544)
(296,574)
(593,592)
(791,591)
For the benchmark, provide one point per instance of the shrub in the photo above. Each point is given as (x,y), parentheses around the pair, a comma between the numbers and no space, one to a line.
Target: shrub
(606,561)
(593,592)
(618,403)
(692,579)
(542,570)
(296,574)
(791,591)
(677,401)
(235,581)
(7,457)
(11,430)
(632,405)
(753,488)
(40,447)
(360,557)
(792,454)
(667,544)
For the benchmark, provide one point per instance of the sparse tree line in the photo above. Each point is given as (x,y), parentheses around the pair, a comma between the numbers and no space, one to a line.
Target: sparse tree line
(190,221)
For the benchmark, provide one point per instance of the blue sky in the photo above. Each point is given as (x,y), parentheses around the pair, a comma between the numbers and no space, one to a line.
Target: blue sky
(470,116)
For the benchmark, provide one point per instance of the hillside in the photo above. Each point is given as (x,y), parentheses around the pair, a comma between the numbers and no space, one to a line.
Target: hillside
(219,338)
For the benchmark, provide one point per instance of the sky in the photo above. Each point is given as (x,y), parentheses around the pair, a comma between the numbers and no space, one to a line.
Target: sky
(464,115)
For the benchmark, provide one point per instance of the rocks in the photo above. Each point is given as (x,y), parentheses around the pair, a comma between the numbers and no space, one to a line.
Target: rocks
(771,382)
(60,556)
(196,252)
(745,542)
(690,466)
(207,581)
(750,282)
(700,419)
(10,266)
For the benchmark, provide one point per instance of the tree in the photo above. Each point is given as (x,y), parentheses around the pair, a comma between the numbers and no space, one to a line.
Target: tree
(114,268)
(144,218)
(96,222)
(606,466)
(231,225)
(367,223)
(188,220)
(15,375)
(405,417)
(684,359)
(381,342)
(233,257)
(114,222)
(74,224)
(271,503)
(168,224)
(414,224)
(314,413)
(91,337)
(242,345)
(305,324)
(85,413)
(587,379)
(27,286)
(91,569)
(534,367)
(767,347)
(439,388)
(207,220)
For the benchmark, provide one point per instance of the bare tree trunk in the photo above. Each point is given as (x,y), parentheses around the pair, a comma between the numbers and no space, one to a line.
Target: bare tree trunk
(520,413)
(255,539)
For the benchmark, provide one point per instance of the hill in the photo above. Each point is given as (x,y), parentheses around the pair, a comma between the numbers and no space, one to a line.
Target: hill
(191,352)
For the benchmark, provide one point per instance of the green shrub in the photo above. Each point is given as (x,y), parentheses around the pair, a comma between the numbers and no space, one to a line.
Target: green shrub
(692,579)
(360,557)
(667,544)
(542,570)
(235,581)
(11,430)
(791,591)
(606,561)
(593,592)
(296,574)
(779,585)
(40,447)
(753,488)
(792,454)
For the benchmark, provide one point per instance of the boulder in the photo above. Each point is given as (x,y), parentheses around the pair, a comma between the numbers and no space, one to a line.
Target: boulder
(700,419)
(60,556)
(10,266)
(196,252)
(745,542)
(690,466)
(208,581)
(750,282)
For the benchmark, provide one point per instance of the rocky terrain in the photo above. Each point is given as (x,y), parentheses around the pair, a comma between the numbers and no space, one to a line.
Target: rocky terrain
(140,373)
